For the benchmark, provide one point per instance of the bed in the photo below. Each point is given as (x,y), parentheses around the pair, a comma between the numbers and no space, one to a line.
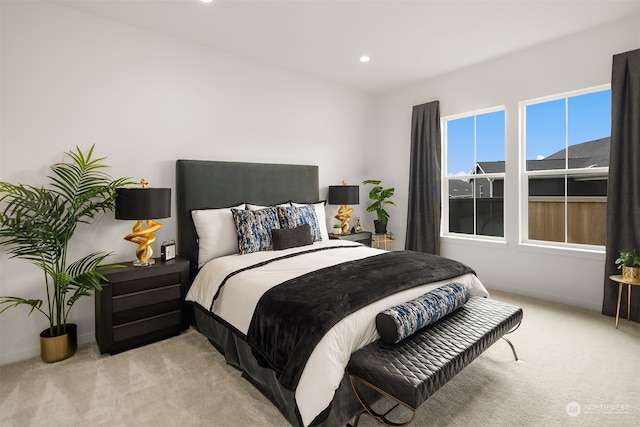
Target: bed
(228,293)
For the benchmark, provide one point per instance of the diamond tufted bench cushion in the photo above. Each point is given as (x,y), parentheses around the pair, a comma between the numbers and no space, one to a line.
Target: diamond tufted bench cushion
(412,370)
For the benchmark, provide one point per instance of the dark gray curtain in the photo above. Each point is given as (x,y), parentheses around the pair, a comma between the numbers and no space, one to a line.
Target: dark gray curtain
(423,216)
(623,191)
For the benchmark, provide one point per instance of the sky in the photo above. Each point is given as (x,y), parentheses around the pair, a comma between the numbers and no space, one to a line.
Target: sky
(587,117)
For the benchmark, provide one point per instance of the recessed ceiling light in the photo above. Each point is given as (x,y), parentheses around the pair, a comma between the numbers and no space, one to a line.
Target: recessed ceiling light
(206,1)
(365,58)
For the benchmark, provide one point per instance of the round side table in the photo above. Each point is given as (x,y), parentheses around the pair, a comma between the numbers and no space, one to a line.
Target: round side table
(621,283)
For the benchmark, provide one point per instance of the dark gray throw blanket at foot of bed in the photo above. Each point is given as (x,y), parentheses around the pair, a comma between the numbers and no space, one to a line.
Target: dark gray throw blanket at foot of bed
(291,318)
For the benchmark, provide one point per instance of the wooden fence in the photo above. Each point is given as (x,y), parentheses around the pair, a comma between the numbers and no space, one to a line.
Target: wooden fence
(586,219)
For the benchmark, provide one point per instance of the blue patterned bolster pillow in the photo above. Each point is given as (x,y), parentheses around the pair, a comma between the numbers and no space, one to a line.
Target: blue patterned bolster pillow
(397,323)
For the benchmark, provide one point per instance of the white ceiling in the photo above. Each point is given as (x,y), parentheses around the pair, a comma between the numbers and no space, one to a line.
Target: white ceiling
(407,41)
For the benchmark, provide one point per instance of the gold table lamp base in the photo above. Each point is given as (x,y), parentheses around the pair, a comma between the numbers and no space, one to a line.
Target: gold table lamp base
(343,216)
(144,239)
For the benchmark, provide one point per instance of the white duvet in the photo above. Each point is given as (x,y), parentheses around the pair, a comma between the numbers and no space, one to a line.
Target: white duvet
(326,365)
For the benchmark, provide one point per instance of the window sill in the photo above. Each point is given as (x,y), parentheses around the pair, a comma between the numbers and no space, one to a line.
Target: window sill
(497,242)
(594,253)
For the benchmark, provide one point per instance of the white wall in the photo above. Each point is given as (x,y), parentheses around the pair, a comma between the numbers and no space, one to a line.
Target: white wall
(576,62)
(146,100)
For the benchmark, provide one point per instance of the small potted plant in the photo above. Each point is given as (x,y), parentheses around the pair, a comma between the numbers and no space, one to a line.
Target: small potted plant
(337,229)
(380,197)
(629,263)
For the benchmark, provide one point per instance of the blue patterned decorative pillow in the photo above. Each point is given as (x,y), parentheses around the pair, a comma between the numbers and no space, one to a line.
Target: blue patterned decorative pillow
(397,323)
(320,216)
(254,229)
(292,217)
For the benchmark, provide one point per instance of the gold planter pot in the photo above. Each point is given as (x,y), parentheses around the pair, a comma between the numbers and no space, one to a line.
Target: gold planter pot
(55,349)
(631,274)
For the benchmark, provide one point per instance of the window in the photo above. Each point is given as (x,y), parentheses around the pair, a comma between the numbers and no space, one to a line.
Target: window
(566,140)
(474,170)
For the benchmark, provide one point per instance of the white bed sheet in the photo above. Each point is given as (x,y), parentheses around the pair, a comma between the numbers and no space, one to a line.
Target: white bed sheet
(326,365)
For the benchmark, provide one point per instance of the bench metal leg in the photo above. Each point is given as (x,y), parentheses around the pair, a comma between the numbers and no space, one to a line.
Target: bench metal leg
(513,349)
(380,418)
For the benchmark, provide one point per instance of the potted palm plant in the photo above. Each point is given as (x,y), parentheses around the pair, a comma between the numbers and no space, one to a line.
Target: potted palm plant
(629,263)
(37,224)
(380,198)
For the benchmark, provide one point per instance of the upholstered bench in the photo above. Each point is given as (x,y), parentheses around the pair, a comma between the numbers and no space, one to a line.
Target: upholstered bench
(411,371)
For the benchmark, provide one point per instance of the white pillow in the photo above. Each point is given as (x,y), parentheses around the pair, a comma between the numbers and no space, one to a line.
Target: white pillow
(320,216)
(252,207)
(216,232)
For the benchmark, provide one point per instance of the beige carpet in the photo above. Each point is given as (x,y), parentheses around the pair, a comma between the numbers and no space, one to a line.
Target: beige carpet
(575,369)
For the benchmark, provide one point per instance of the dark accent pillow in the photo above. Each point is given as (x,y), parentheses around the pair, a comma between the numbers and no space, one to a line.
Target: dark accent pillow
(285,238)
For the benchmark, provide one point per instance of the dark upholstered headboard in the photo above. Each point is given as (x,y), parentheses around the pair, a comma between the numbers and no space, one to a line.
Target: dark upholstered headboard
(210,184)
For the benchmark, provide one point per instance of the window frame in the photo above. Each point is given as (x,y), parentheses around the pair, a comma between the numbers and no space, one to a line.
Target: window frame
(445,178)
(524,175)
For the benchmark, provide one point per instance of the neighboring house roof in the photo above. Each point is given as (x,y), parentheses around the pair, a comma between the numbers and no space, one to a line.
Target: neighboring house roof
(459,188)
(490,167)
(587,154)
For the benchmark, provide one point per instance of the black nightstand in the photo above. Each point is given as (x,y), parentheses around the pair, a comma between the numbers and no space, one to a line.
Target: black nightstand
(363,237)
(141,305)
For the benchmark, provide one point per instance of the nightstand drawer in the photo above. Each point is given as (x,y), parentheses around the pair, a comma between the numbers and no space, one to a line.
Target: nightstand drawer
(143,312)
(143,298)
(145,283)
(142,327)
